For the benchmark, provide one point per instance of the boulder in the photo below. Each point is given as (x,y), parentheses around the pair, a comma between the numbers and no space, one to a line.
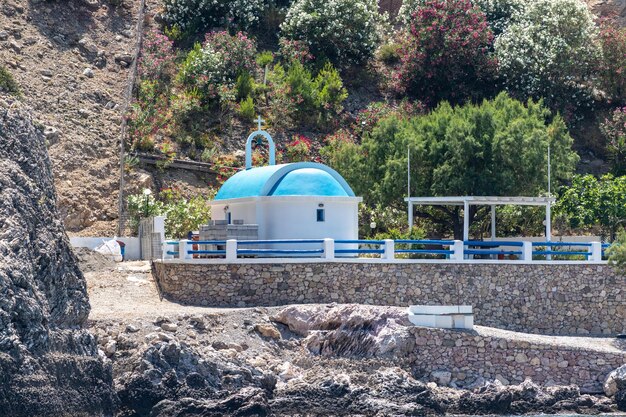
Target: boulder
(615,381)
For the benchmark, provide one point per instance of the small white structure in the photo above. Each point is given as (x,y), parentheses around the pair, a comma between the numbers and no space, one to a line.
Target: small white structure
(302,200)
(443,317)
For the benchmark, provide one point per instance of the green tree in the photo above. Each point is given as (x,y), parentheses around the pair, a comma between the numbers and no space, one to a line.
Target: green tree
(590,201)
(497,148)
(617,251)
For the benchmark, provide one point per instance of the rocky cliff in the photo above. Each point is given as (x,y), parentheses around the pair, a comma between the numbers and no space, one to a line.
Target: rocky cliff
(48,365)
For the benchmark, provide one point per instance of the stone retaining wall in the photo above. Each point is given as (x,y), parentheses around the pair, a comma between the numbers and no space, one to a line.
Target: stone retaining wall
(538,298)
(471,357)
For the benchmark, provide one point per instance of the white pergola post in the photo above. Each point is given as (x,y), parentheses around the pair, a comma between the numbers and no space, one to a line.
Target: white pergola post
(548,229)
(410,215)
(493,222)
(466,220)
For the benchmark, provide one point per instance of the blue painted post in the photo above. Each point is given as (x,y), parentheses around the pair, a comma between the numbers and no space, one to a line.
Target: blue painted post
(459,250)
(231,250)
(329,249)
(390,249)
(527,251)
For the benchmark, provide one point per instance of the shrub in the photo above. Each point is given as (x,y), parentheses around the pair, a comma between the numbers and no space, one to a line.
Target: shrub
(198,15)
(157,55)
(498,147)
(329,92)
(613,64)
(408,9)
(291,50)
(203,68)
(149,116)
(550,52)
(295,94)
(7,82)
(614,130)
(369,117)
(500,13)
(244,85)
(344,31)
(445,53)
(246,109)
(389,53)
(298,149)
(590,201)
(617,251)
(237,51)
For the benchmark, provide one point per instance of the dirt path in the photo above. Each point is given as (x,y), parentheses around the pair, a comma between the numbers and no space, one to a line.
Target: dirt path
(127,291)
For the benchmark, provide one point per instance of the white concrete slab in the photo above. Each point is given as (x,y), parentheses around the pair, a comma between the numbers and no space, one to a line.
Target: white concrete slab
(429,309)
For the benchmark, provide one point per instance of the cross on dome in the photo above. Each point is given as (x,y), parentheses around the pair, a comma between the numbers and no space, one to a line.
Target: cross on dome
(270,141)
(259,122)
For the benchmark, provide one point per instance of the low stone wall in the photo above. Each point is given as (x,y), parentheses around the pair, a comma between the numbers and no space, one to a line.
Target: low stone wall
(470,357)
(538,298)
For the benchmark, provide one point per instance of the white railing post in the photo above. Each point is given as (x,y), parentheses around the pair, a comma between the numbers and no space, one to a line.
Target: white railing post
(527,251)
(231,250)
(390,249)
(329,249)
(183,247)
(458,249)
(596,252)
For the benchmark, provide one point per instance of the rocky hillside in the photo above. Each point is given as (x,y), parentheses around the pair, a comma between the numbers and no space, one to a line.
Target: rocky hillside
(48,365)
(71,60)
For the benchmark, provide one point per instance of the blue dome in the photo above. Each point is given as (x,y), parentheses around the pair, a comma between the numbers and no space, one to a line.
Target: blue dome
(298,179)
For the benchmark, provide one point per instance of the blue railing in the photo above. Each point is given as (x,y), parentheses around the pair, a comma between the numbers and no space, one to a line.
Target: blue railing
(449,249)
(274,251)
(423,251)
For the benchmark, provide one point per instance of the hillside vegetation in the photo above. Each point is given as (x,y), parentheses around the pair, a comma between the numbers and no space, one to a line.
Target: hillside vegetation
(478,90)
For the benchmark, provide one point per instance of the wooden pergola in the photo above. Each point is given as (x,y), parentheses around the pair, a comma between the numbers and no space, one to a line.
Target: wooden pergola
(467,201)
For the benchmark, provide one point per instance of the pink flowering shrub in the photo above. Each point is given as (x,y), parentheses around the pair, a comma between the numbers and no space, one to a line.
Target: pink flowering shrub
(367,118)
(613,65)
(298,149)
(238,52)
(614,129)
(445,53)
(292,50)
(157,56)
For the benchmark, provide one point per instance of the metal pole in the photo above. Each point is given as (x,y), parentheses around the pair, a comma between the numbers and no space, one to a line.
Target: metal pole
(408,187)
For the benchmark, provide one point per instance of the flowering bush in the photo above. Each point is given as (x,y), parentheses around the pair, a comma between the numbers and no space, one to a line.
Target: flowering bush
(408,9)
(203,68)
(157,55)
(197,15)
(149,116)
(298,149)
(445,52)
(344,31)
(614,129)
(291,50)
(613,65)
(549,52)
(500,13)
(238,52)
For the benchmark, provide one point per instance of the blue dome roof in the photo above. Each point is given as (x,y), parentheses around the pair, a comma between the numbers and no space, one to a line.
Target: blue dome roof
(298,179)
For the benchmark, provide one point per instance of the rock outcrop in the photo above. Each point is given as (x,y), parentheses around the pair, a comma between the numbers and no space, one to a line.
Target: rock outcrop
(172,378)
(48,365)
(615,386)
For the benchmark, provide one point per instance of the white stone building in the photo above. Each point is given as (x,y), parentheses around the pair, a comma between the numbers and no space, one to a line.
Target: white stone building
(303,200)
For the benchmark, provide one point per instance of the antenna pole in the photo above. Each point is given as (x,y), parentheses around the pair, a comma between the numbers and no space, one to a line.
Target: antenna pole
(408,186)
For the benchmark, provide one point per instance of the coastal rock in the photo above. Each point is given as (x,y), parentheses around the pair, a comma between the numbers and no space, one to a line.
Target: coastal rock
(49,366)
(349,330)
(615,381)
(175,376)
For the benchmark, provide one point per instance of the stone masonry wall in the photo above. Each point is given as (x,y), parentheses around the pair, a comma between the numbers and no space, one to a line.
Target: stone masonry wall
(488,354)
(558,299)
